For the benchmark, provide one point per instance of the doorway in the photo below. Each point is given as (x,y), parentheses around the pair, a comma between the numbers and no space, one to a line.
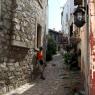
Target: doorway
(39,29)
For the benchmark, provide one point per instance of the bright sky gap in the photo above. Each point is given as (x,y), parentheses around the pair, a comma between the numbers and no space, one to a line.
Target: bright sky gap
(55,8)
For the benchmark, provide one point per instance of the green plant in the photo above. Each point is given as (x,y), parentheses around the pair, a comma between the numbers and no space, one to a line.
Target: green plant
(66,58)
(48,55)
(51,49)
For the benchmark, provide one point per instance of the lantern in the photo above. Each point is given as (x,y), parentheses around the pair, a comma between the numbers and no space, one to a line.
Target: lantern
(79,17)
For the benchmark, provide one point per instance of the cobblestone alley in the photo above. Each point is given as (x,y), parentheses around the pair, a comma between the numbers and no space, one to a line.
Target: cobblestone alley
(57,81)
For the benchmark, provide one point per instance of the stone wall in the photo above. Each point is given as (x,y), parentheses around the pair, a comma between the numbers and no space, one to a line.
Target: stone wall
(18,35)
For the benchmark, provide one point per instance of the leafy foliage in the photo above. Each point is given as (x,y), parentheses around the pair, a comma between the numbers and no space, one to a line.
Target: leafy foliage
(51,49)
(66,57)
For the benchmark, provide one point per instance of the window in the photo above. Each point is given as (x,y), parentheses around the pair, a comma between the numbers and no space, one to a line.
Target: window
(39,29)
(71,30)
(66,17)
(0,10)
(0,15)
(61,17)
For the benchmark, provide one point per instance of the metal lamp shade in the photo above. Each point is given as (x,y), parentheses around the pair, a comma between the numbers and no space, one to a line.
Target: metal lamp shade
(79,17)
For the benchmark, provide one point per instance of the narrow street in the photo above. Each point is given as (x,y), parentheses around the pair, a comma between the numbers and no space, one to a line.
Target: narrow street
(53,82)
(32,31)
(57,82)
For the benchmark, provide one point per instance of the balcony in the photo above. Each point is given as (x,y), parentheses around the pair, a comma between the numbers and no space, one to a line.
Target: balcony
(75,40)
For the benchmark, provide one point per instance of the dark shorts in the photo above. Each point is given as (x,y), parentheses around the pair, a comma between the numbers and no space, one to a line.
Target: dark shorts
(41,62)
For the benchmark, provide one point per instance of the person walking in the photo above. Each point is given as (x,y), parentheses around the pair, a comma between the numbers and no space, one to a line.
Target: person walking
(40,62)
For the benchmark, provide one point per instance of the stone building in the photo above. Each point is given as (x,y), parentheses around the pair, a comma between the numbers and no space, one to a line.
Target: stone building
(73,32)
(86,44)
(23,25)
(67,16)
(57,37)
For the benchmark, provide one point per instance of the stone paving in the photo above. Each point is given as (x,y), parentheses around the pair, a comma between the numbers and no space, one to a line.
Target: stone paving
(53,81)
(58,80)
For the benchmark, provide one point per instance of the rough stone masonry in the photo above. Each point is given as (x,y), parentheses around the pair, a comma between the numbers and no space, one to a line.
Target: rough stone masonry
(18,35)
